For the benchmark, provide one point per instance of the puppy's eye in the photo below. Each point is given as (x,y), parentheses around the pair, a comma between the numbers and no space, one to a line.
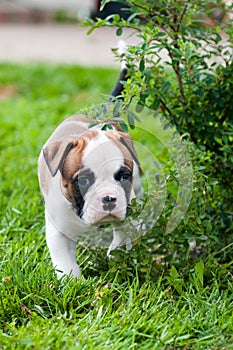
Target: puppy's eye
(123,175)
(83,181)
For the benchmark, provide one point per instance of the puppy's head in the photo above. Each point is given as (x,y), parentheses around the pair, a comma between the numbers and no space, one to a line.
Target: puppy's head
(96,173)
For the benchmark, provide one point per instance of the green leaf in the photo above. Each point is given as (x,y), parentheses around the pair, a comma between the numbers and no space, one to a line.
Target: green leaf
(142,65)
(103,3)
(175,280)
(88,22)
(132,16)
(150,100)
(199,270)
(161,34)
(139,108)
(90,30)
(124,126)
(156,104)
(116,17)
(131,119)
(119,31)
(117,107)
(197,278)
(165,87)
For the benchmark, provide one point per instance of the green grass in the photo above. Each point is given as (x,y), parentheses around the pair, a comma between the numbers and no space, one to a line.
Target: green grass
(117,304)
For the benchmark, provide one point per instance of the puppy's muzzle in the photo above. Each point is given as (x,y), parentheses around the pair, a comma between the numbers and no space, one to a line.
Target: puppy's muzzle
(109,203)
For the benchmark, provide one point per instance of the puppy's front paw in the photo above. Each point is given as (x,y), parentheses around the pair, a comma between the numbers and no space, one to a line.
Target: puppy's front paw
(124,242)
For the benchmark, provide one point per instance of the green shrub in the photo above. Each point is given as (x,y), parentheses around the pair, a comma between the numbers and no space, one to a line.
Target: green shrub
(193,90)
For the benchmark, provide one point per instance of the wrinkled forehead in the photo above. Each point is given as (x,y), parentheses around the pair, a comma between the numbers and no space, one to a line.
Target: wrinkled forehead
(97,152)
(103,154)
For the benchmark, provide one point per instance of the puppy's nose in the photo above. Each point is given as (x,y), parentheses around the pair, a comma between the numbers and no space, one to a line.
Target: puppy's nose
(109,203)
(108,199)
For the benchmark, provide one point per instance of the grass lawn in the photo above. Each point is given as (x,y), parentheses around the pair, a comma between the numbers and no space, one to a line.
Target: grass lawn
(117,304)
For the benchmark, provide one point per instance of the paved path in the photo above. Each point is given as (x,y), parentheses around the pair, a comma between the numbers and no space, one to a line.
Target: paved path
(62,43)
(59,44)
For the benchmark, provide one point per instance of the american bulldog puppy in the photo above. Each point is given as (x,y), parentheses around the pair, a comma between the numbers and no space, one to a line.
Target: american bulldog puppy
(87,175)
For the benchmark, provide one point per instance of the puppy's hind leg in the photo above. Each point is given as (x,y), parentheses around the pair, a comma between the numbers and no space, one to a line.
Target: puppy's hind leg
(62,251)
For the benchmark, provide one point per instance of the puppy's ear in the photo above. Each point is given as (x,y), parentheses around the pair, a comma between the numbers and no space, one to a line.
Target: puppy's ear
(126,140)
(56,152)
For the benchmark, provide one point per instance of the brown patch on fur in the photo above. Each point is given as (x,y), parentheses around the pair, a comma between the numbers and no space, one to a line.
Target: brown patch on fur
(73,162)
(116,136)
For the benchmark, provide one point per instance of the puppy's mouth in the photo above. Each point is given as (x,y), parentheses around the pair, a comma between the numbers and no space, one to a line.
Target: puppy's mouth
(107,221)
(109,218)
(104,220)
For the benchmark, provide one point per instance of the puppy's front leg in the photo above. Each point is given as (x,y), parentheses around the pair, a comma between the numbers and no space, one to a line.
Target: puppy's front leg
(119,239)
(62,251)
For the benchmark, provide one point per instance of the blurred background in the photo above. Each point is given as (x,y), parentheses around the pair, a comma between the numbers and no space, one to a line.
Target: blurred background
(51,31)
(46,10)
